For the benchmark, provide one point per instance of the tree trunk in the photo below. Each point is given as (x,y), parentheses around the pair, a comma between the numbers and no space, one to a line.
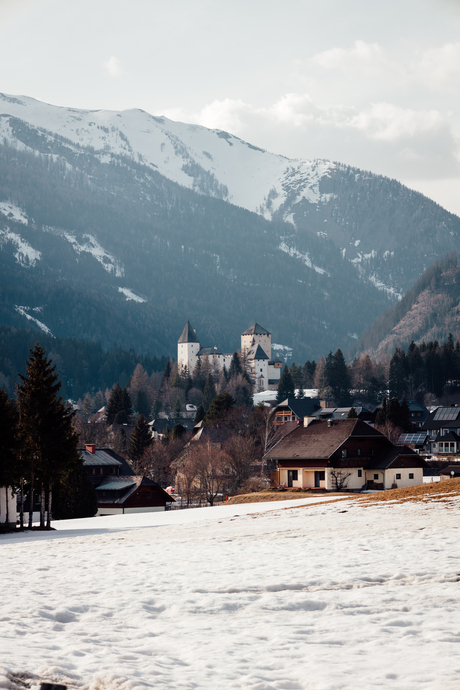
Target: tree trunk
(42,506)
(21,506)
(31,504)
(7,515)
(48,521)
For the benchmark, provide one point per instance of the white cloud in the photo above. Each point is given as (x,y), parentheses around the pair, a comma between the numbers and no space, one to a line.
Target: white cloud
(113,67)
(390,122)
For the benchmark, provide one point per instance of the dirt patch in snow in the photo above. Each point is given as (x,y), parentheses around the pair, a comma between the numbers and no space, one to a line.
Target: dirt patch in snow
(264,496)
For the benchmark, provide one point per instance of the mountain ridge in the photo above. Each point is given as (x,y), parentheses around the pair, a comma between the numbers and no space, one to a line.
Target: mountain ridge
(319,254)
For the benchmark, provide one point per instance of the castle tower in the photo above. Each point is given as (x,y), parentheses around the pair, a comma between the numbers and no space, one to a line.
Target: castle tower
(188,347)
(256,335)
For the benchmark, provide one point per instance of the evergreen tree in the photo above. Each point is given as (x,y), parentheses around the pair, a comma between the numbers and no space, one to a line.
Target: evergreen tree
(218,409)
(166,373)
(381,416)
(399,370)
(48,440)
(285,385)
(235,366)
(177,412)
(75,497)
(199,414)
(140,440)
(156,408)
(352,413)
(404,416)
(338,378)
(119,406)
(178,431)
(394,412)
(209,392)
(141,403)
(114,405)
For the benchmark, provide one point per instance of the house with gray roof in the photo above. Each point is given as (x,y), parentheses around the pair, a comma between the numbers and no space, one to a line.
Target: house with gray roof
(118,489)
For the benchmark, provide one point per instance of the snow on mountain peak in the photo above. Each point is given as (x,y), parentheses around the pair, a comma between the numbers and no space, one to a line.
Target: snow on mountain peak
(207,161)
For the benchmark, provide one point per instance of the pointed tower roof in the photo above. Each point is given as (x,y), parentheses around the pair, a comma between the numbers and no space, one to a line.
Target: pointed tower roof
(188,335)
(256,329)
(256,353)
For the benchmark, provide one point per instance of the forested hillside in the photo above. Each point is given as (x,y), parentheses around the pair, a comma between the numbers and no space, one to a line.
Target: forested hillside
(428,312)
(82,366)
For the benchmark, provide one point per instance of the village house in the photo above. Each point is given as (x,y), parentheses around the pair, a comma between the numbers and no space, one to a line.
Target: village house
(118,490)
(443,428)
(342,454)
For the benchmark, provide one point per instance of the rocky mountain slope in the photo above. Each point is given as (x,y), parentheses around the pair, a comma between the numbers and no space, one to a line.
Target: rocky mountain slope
(121,226)
(428,312)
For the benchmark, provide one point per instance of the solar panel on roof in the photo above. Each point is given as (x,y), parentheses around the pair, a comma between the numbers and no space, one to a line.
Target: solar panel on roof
(446,414)
(415,438)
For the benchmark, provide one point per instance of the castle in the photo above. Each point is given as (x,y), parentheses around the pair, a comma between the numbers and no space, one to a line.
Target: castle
(256,353)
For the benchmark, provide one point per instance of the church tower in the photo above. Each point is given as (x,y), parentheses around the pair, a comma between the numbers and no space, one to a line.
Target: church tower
(188,347)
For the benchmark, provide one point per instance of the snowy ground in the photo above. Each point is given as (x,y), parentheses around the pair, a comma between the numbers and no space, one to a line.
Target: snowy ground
(338,595)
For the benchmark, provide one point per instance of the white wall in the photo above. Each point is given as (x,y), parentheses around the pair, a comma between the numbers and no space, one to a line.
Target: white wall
(11,506)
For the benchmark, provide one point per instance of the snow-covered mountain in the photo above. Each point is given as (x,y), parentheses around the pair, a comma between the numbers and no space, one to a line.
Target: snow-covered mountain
(173,219)
(207,161)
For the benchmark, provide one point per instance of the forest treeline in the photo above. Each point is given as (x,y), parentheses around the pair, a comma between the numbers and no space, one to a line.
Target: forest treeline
(83,367)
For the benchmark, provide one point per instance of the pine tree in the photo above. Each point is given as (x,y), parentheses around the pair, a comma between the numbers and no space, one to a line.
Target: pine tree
(177,412)
(209,393)
(352,413)
(285,386)
(199,414)
(141,403)
(140,440)
(48,440)
(119,406)
(218,409)
(235,366)
(338,378)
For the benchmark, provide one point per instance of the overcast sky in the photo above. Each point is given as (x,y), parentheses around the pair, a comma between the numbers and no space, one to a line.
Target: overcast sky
(371,83)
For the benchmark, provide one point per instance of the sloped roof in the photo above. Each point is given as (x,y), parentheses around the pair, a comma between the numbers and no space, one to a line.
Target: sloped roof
(108,457)
(302,407)
(256,329)
(188,335)
(209,351)
(256,353)
(450,436)
(320,440)
(128,485)
(394,456)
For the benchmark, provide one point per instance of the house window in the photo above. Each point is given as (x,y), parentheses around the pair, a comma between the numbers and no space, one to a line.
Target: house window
(398,476)
(148,494)
(360,473)
(411,475)
(344,453)
(376,476)
(138,495)
(359,451)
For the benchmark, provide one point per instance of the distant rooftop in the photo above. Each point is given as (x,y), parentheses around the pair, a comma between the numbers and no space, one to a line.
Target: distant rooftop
(188,335)
(256,329)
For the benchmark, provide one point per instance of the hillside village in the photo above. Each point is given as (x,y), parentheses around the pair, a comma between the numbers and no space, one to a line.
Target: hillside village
(231,442)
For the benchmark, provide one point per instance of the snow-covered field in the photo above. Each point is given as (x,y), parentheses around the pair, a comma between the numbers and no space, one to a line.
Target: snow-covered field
(336,595)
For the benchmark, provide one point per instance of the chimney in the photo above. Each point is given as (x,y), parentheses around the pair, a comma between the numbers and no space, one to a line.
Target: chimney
(91,448)
(308,420)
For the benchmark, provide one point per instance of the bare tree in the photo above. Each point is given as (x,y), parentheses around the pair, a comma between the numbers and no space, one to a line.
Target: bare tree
(339,478)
